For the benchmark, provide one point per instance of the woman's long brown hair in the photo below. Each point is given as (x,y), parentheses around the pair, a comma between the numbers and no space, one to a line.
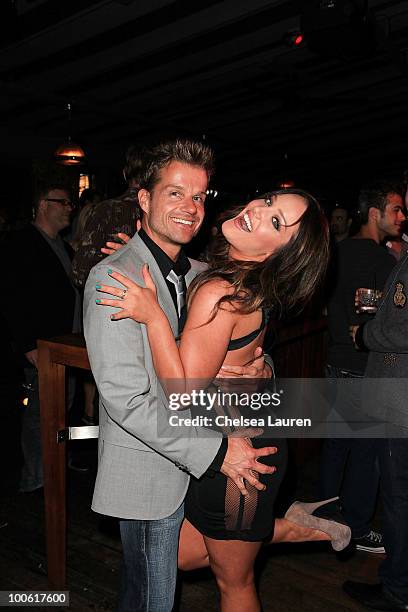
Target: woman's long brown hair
(285,281)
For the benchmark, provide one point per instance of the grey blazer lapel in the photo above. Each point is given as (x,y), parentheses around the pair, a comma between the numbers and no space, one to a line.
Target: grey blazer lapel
(196,268)
(163,293)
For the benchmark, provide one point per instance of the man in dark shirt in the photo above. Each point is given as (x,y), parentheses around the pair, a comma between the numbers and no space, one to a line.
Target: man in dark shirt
(359,262)
(45,304)
(107,219)
(385,393)
(340,221)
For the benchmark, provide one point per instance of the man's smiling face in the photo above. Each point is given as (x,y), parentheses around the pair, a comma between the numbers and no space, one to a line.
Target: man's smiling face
(174,210)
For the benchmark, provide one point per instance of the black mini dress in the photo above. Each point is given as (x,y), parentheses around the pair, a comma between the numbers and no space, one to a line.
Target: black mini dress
(215,505)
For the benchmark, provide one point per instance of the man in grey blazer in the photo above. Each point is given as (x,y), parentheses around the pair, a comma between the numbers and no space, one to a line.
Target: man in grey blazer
(143,472)
(385,397)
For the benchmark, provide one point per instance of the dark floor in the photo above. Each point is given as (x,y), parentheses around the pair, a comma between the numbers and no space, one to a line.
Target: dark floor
(292,578)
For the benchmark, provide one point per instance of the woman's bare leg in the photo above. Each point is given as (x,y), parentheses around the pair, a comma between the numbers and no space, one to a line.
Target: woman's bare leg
(232,562)
(193,553)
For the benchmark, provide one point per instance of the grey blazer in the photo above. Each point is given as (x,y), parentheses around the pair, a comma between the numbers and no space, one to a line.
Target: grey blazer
(385,388)
(143,470)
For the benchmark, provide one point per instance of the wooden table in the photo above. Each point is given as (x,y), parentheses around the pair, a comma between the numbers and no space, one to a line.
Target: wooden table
(300,352)
(53,357)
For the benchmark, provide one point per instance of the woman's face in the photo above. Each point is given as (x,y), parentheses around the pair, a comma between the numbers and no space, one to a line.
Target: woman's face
(262,227)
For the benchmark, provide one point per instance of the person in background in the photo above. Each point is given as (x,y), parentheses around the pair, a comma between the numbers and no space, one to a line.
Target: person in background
(87,200)
(107,219)
(399,246)
(340,221)
(385,395)
(41,260)
(348,466)
(100,222)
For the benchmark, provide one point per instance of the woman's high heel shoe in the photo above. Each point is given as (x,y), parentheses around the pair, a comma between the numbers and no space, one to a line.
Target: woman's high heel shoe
(324,516)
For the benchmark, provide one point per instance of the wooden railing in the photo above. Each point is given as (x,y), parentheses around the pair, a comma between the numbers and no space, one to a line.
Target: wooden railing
(53,357)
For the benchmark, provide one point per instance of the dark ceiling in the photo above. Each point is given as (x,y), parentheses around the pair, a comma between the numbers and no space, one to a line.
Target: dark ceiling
(332,108)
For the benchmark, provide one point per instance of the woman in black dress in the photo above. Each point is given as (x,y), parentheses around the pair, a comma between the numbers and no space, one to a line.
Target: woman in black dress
(270,256)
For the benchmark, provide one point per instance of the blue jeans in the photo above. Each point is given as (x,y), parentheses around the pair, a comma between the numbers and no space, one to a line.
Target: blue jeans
(149,569)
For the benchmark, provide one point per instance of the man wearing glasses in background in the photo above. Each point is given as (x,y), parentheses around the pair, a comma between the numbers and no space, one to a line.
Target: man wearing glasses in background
(43,303)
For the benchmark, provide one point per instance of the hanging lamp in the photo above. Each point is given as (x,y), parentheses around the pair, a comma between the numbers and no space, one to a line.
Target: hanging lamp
(70,153)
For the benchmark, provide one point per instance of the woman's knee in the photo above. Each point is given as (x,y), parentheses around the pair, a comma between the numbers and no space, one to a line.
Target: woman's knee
(232,578)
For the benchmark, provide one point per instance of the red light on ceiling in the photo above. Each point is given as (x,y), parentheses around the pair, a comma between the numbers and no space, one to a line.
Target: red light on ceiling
(287,184)
(293,38)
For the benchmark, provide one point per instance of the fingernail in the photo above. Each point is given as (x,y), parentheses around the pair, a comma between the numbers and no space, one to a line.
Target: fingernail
(97,286)
(112,318)
(109,271)
(98,301)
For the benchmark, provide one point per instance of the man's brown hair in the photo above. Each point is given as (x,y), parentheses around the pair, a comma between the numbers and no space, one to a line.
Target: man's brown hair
(186,151)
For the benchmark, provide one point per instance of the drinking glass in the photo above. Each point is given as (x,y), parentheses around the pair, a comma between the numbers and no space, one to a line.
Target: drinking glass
(367,300)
